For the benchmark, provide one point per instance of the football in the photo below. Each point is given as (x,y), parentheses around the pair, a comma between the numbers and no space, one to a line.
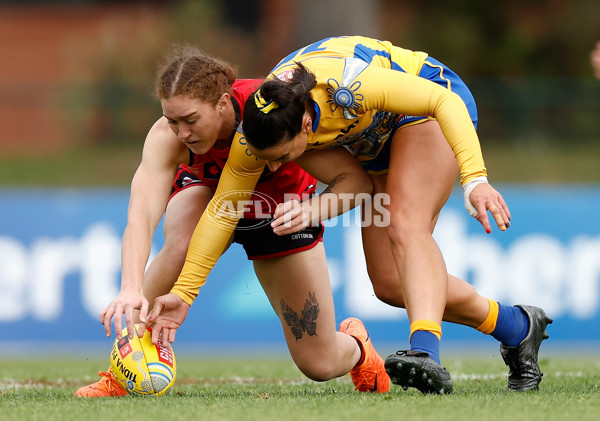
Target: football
(141,367)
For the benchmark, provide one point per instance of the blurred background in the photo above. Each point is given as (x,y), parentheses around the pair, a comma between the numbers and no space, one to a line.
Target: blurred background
(76,101)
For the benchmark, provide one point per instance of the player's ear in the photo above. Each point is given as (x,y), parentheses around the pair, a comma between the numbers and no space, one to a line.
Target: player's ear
(223,102)
(306,123)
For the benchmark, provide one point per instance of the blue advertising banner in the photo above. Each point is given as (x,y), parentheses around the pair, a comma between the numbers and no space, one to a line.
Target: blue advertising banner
(60,266)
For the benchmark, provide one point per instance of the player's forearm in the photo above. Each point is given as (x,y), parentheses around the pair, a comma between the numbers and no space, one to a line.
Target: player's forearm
(342,195)
(135,251)
(209,241)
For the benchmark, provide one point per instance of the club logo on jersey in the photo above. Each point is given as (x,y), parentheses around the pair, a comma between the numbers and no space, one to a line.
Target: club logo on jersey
(343,94)
(212,171)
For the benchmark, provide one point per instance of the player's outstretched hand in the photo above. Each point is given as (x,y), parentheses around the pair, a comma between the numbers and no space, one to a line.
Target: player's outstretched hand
(167,315)
(485,198)
(289,217)
(125,303)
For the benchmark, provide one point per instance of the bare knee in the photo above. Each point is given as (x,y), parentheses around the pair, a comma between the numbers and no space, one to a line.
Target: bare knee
(387,285)
(318,369)
(393,297)
(400,231)
(175,251)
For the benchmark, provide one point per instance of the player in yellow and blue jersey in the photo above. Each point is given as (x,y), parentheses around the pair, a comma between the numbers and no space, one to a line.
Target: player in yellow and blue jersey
(408,124)
(184,154)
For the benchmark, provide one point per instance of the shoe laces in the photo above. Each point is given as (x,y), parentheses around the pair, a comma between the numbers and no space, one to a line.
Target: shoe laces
(107,381)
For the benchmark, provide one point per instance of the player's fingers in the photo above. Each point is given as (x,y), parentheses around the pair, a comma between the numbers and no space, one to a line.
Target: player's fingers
(285,212)
(156,331)
(483,220)
(504,206)
(505,217)
(107,321)
(171,337)
(129,321)
(144,311)
(295,225)
(118,320)
(156,309)
(141,329)
(103,314)
(279,210)
(495,212)
(286,218)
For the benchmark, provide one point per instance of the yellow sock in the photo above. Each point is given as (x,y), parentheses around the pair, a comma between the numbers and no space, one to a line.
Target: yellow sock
(428,325)
(489,324)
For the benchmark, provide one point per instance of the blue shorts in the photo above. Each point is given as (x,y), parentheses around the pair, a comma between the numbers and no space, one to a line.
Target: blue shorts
(436,72)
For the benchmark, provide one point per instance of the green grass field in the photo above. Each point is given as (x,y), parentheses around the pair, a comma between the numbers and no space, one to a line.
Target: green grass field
(274,389)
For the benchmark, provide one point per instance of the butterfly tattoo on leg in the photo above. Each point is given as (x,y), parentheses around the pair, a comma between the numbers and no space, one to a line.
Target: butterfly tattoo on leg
(305,323)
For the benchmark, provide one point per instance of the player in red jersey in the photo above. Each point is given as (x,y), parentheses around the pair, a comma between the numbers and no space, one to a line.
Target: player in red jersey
(202,105)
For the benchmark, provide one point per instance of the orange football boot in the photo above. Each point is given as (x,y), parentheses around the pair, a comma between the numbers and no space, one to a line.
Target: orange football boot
(370,376)
(107,386)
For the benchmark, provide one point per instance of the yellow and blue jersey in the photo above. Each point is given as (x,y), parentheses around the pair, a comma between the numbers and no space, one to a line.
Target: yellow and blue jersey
(365,89)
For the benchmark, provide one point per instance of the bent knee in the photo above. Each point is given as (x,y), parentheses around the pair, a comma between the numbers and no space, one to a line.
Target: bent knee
(319,371)
(387,285)
(393,298)
(402,232)
(390,296)
(175,251)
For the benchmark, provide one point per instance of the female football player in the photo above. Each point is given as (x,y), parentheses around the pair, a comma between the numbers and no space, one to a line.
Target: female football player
(410,122)
(184,154)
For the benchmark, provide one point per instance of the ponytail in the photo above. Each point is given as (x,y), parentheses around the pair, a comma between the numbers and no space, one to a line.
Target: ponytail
(274,113)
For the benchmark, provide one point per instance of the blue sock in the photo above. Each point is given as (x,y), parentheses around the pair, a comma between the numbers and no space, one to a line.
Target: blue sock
(425,341)
(512,325)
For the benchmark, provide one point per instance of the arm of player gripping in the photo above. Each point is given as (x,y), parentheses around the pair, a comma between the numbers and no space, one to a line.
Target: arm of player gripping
(212,234)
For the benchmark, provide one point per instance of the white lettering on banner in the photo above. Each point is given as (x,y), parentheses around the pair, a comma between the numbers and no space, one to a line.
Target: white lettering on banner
(561,276)
(535,269)
(52,261)
(585,269)
(13,288)
(100,267)
(32,283)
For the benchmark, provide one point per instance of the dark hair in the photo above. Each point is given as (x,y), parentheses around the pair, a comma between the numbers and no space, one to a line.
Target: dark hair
(263,130)
(188,71)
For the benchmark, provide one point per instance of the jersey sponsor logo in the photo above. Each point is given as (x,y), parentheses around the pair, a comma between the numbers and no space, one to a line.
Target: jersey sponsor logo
(124,347)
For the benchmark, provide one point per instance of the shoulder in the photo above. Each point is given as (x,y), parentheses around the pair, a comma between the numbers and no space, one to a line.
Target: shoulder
(164,144)
(243,88)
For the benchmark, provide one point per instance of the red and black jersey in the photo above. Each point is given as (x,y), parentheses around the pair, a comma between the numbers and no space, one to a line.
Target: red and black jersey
(271,188)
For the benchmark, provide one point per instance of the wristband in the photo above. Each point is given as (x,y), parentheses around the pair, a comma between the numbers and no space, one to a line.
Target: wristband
(468,188)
